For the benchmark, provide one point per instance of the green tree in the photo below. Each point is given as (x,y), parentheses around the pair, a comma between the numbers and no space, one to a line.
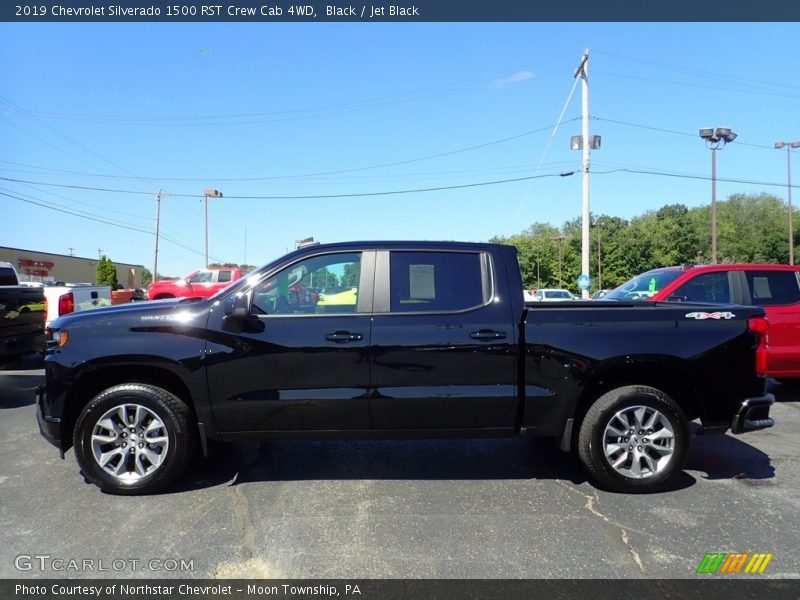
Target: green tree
(147,276)
(750,228)
(351,274)
(106,272)
(245,268)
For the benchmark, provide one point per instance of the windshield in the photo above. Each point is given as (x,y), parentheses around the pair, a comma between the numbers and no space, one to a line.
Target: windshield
(558,294)
(643,286)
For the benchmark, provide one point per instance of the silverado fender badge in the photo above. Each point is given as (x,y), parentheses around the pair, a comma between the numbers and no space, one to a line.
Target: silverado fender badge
(713,315)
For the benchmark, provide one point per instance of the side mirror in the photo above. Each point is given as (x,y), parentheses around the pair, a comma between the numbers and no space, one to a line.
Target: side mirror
(236,306)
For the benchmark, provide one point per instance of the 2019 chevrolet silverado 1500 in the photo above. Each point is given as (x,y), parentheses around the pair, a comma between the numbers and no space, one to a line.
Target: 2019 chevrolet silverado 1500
(429,340)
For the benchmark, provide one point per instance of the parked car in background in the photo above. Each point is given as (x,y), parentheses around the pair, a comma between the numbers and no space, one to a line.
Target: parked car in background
(123,296)
(599,294)
(553,295)
(65,298)
(200,284)
(776,288)
(22,314)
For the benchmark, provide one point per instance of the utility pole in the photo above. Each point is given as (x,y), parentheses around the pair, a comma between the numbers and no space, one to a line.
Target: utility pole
(209,192)
(583,73)
(160,194)
(158,228)
(99,253)
(789,146)
(71,251)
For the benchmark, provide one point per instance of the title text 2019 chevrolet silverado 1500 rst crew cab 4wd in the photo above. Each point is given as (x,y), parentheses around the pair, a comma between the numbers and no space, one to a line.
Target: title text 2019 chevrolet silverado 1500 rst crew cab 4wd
(430,340)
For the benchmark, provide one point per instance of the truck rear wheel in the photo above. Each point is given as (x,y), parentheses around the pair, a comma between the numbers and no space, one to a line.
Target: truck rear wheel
(634,439)
(134,439)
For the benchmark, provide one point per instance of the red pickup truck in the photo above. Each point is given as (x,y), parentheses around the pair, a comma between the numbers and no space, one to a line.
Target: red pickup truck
(200,284)
(776,288)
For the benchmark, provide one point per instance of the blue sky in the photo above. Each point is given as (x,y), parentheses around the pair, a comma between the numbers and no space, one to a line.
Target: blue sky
(316,109)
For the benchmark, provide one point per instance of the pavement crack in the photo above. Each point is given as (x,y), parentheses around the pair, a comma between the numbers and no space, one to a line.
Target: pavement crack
(591,500)
(241,512)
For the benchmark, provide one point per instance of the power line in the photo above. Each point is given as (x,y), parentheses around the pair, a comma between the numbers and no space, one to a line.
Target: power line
(673,131)
(323,173)
(445,89)
(81,187)
(95,218)
(686,176)
(523,167)
(64,136)
(319,196)
(428,189)
(697,72)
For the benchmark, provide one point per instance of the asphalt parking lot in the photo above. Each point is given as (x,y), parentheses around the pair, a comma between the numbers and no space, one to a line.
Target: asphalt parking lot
(515,508)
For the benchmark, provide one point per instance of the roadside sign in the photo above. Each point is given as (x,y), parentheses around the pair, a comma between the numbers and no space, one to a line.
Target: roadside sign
(584,282)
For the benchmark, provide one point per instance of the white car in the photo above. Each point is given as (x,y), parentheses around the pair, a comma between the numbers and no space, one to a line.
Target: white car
(552,295)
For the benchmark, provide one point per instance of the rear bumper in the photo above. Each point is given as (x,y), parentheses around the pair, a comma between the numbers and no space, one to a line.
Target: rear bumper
(753,415)
(50,427)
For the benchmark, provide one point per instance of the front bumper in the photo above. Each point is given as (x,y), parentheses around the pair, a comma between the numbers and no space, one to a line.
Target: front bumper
(50,427)
(753,414)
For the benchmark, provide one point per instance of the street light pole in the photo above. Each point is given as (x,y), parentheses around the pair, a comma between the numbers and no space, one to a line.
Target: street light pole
(715,140)
(713,206)
(209,193)
(789,146)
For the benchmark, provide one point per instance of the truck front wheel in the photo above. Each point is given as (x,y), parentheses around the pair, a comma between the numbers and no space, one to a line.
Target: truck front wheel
(134,439)
(634,439)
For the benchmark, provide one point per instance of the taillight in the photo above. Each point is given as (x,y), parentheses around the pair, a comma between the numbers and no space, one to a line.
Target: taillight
(760,326)
(66,304)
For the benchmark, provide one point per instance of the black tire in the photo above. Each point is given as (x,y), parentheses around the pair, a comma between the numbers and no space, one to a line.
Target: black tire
(178,426)
(591,442)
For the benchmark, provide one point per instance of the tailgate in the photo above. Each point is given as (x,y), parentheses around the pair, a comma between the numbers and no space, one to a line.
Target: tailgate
(22,311)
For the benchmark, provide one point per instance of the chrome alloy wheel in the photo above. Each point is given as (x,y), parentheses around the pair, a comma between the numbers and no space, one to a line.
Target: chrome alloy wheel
(639,442)
(130,442)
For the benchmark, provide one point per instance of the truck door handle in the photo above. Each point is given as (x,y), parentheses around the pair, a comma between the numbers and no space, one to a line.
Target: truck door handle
(342,337)
(487,334)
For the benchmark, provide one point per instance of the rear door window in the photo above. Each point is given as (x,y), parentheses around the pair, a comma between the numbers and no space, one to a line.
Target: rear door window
(707,287)
(224,276)
(435,281)
(772,288)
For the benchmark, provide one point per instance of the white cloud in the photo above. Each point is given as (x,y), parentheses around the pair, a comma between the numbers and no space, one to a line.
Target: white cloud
(512,79)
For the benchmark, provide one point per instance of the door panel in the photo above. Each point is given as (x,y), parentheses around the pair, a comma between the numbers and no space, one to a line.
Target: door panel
(779,293)
(443,356)
(302,360)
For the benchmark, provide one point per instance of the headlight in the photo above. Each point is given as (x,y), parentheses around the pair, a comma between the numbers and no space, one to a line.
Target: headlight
(57,338)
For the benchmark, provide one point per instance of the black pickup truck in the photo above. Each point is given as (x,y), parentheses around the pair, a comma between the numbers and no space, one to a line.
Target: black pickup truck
(398,340)
(22,315)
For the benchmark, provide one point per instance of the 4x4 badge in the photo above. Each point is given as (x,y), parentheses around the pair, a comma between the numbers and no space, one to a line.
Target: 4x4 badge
(713,315)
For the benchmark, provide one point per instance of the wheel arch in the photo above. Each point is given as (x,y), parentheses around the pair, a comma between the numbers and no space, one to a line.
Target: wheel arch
(667,374)
(97,379)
